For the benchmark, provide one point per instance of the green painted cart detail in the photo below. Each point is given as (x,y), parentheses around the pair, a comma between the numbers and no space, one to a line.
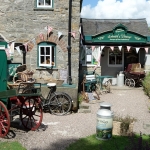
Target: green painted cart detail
(25,99)
(8,93)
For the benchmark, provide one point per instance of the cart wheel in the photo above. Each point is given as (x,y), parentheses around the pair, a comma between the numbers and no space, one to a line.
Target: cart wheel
(31,113)
(127,82)
(132,83)
(4,120)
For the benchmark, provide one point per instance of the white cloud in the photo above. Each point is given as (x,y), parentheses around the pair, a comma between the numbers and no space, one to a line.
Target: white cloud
(112,9)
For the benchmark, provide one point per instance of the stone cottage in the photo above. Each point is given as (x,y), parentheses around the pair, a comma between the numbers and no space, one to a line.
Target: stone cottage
(44,35)
(111,44)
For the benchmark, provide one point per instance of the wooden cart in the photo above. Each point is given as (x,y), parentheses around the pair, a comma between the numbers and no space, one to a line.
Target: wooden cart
(26,99)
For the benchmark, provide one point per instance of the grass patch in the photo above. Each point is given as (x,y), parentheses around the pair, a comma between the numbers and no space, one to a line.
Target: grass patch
(115,143)
(11,146)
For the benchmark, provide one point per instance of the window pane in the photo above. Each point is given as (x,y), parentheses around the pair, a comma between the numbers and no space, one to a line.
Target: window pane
(111,59)
(47,2)
(47,50)
(47,59)
(42,50)
(42,60)
(88,58)
(119,59)
(41,2)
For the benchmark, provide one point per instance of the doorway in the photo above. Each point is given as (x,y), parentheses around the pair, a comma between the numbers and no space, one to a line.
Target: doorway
(130,57)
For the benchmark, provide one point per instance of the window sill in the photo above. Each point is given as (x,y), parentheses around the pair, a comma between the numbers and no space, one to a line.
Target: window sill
(44,9)
(89,65)
(46,68)
(115,65)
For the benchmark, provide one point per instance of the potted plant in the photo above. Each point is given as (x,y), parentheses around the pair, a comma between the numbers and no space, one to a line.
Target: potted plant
(123,125)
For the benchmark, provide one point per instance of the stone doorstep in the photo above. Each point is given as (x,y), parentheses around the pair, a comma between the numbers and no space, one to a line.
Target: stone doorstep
(84,108)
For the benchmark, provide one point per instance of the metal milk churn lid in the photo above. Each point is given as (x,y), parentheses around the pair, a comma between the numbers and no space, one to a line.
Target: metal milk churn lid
(104,124)
(106,105)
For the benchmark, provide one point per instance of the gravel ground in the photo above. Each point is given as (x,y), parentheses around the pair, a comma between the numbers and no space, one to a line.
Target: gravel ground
(63,130)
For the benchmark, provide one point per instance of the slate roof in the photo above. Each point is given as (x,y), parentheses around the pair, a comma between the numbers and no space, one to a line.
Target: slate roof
(97,26)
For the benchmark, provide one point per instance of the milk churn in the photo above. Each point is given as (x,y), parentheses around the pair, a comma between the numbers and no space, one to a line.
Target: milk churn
(104,124)
(120,79)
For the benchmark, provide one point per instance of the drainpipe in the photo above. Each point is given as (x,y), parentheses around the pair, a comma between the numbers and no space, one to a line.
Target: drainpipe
(69,43)
(24,56)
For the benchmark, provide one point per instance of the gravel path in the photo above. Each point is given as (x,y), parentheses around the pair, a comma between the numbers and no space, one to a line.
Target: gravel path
(63,130)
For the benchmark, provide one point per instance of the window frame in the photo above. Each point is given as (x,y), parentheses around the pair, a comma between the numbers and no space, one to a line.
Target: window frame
(44,6)
(52,47)
(116,65)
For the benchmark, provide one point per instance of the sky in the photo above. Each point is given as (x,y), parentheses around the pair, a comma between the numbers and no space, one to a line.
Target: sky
(116,9)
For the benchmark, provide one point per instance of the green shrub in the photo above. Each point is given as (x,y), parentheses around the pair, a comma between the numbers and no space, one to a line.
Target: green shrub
(146,85)
(80,98)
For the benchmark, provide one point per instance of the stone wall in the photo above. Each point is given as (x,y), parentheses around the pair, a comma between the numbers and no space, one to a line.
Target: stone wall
(21,22)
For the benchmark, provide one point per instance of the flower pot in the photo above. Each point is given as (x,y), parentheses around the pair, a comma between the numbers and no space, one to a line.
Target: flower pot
(118,131)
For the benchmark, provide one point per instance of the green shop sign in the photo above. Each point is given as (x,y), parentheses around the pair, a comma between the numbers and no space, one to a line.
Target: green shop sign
(118,34)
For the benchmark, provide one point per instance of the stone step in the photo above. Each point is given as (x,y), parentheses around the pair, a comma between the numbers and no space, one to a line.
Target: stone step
(84,108)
